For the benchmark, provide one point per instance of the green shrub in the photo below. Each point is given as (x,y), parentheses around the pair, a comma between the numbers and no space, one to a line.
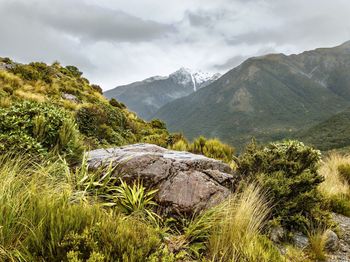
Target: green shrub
(115,103)
(97,88)
(180,145)
(344,172)
(102,122)
(156,123)
(213,148)
(37,128)
(34,72)
(288,171)
(74,71)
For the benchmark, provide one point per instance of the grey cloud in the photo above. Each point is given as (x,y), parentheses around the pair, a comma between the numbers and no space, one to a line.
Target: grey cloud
(117,41)
(88,22)
(230,63)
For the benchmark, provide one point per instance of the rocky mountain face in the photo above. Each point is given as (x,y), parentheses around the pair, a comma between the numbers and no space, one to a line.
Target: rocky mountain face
(147,96)
(269,97)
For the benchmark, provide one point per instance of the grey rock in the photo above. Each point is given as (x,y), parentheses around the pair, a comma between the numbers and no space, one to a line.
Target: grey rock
(277,234)
(300,240)
(186,183)
(332,241)
(342,254)
(70,97)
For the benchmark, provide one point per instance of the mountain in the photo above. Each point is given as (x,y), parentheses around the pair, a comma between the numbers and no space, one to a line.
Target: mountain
(333,133)
(269,97)
(147,96)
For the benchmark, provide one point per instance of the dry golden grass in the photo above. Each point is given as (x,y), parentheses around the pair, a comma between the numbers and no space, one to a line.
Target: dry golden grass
(333,184)
(30,96)
(12,80)
(236,235)
(5,102)
(317,244)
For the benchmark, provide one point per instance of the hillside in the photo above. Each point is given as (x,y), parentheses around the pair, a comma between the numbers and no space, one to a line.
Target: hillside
(42,105)
(147,96)
(333,133)
(269,97)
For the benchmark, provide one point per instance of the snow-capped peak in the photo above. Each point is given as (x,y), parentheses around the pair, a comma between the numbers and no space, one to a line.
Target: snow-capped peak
(197,79)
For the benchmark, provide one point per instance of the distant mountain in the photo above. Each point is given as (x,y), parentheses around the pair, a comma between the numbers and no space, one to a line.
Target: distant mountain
(268,97)
(147,96)
(332,133)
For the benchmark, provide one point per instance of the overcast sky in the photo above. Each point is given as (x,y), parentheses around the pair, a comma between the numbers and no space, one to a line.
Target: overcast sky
(119,41)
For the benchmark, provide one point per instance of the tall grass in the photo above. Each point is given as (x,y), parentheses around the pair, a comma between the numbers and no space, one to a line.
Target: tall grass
(236,233)
(333,184)
(317,243)
(336,188)
(42,219)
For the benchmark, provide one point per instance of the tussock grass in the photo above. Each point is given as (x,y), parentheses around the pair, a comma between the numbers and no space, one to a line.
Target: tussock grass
(30,96)
(333,184)
(317,243)
(236,233)
(42,218)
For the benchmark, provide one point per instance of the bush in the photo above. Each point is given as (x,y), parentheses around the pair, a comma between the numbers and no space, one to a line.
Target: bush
(97,88)
(156,123)
(213,148)
(38,128)
(104,123)
(115,103)
(288,171)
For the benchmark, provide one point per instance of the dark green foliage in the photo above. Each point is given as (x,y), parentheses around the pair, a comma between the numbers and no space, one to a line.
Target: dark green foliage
(74,71)
(288,172)
(38,128)
(156,123)
(344,172)
(34,72)
(330,134)
(115,103)
(97,88)
(101,122)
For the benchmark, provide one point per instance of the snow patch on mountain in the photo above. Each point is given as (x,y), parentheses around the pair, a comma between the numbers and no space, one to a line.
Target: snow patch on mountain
(196,79)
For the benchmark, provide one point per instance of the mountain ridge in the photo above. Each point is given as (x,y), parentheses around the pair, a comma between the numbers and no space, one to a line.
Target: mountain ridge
(269,97)
(147,96)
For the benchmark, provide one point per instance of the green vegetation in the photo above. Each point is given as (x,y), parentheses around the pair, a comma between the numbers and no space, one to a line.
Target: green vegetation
(212,148)
(335,188)
(54,208)
(288,172)
(44,218)
(59,97)
(236,235)
(38,128)
(332,133)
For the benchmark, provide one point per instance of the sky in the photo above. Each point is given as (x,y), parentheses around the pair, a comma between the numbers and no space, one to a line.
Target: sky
(117,42)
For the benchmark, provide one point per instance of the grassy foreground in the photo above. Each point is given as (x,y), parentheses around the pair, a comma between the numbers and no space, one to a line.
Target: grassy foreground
(51,212)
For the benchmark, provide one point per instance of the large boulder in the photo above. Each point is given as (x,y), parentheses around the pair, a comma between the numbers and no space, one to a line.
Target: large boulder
(186,183)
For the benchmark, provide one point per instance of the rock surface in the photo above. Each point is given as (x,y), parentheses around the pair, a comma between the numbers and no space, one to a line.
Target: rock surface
(343,252)
(187,183)
(70,97)
(300,240)
(332,241)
